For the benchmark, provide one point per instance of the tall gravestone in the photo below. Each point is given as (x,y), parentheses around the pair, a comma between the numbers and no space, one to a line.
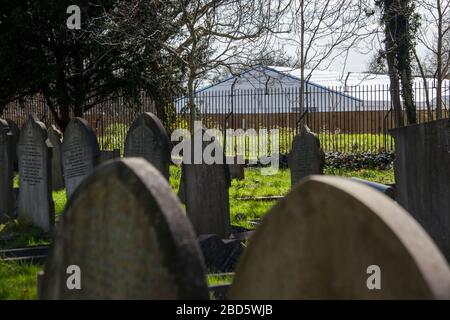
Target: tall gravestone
(204,190)
(55,137)
(7,198)
(306,158)
(126,231)
(334,238)
(80,153)
(148,139)
(35,203)
(422,175)
(14,128)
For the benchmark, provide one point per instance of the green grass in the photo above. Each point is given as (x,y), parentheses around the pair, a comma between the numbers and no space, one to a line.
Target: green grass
(18,281)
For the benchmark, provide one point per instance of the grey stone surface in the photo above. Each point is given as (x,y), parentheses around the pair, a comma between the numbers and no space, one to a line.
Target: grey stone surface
(319,242)
(125,229)
(204,189)
(7,197)
(236,166)
(55,137)
(148,139)
(106,155)
(220,255)
(306,157)
(35,203)
(388,190)
(80,153)
(422,174)
(16,134)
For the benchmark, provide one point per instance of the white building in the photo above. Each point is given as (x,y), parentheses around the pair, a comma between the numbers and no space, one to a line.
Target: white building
(264,90)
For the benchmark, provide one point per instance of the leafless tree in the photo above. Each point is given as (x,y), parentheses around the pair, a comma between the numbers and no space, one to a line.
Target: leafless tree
(198,36)
(323,30)
(434,36)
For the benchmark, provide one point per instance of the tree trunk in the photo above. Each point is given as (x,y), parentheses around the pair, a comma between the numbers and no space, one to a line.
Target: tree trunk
(394,89)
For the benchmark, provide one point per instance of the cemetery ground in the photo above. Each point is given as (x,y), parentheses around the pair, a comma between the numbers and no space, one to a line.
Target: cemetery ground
(249,201)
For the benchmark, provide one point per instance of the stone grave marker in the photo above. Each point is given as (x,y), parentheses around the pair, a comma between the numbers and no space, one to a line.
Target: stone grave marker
(7,197)
(334,238)
(236,165)
(306,157)
(148,139)
(204,190)
(16,134)
(55,137)
(80,153)
(126,231)
(35,203)
(422,175)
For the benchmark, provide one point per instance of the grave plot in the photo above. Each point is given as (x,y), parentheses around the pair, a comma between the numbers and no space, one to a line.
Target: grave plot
(148,139)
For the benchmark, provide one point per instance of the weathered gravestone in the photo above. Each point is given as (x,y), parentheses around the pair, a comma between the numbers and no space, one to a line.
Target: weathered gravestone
(333,238)
(35,203)
(204,190)
(55,137)
(148,139)
(236,166)
(422,175)
(306,157)
(7,197)
(125,229)
(80,153)
(15,140)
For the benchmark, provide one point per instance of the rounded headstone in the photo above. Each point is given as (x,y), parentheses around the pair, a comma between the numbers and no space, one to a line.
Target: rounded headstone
(306,157)
(148,139)
(80,153)
(35,203)
(126,231)
(326,239)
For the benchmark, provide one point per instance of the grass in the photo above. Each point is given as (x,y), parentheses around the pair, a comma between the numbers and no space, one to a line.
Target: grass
(18,280)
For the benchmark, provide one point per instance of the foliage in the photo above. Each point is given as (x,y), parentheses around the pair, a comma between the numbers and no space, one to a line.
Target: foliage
(362,160)
(77,69)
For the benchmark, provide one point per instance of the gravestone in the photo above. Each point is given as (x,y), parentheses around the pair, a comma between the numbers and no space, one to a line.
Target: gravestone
(15,140)
(306,157)
(236,165)
(80,153)
(126,231)
(204,189)
(332,238)
(422,175)
(35,203)
(148,139)
(55,137)
(7,197)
